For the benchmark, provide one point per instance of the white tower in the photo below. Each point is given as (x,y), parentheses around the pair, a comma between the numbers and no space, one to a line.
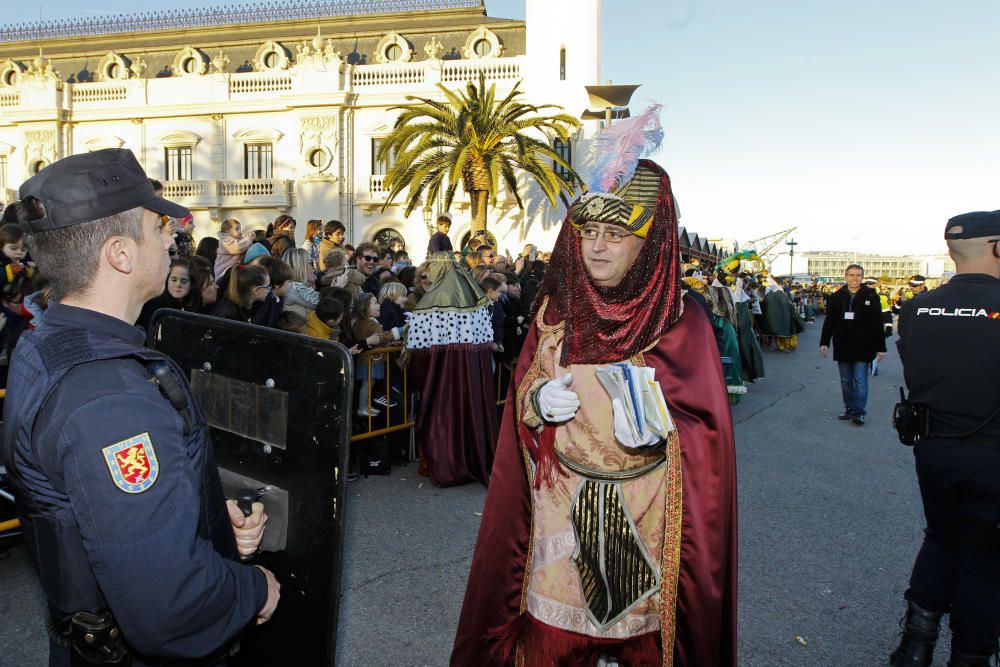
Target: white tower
(563,51)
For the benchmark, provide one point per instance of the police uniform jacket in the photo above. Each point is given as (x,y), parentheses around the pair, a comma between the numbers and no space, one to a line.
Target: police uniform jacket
(951,361)
(119,493)
(854,324)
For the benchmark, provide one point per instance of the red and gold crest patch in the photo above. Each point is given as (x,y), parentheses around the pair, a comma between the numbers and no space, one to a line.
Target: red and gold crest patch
(132,463)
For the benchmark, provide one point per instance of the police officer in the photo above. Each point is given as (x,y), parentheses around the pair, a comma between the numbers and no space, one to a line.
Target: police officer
(951,363)
(108,454)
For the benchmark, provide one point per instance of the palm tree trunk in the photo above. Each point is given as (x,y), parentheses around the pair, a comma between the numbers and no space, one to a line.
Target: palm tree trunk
(479,200)
(477,184)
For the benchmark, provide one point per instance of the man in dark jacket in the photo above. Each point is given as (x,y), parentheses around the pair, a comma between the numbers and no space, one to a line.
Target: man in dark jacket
(854,323)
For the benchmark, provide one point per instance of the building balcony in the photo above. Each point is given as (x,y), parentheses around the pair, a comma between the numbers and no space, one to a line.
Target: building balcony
(273,193)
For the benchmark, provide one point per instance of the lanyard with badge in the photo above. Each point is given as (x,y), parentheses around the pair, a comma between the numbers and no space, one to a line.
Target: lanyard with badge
(849,313)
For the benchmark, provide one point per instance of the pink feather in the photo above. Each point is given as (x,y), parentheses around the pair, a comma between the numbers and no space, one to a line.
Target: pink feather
(616,151)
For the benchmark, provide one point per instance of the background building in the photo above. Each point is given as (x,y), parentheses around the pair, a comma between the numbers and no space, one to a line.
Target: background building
(829,266)
(256,111)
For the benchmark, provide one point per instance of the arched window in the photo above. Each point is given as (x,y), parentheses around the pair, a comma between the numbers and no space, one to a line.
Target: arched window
(492,240)
(384,237)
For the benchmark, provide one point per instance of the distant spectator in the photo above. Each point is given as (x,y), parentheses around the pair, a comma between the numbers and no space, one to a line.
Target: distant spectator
(479,272)
(281,235)
(392,298)
(336,268)
(14,258)
(203,282)
(301,297)
(473,259)
(385,258)
(439,240)
(293,322)
(233,244)
(492,289)
(266,311)
(367,256)
(488,255)
(324,322)
(208,248)
(314,236)
(401,262)
(250,285)
(333,237)
(177,294)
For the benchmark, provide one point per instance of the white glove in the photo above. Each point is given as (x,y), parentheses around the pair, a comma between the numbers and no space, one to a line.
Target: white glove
(624,432)
(556,402)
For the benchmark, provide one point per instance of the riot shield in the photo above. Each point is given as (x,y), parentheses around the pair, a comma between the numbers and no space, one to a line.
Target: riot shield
(278,404)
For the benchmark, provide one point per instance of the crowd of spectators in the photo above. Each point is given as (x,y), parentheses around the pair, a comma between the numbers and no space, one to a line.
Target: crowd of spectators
(324,288)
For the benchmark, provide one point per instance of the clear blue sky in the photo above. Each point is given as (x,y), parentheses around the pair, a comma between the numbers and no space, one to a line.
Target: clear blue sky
(866,123)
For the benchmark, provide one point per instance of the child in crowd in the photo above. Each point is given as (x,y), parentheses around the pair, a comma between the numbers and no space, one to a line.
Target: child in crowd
(492,289)
(249,285)
(335,262)
(392,298)
(333,237)
(177,293)
(479,272)
(184,236)
(291,321)
(368,332)
(208,248)
(402,262)
(265,312)
(301,297)
(324,322)
(280,235)
(14,257)
(203,282)
(233,243)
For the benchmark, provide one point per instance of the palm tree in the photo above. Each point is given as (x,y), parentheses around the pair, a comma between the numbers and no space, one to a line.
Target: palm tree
(474,139)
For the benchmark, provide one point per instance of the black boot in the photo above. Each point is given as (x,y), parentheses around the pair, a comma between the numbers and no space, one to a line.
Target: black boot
(920,633)
(959,659)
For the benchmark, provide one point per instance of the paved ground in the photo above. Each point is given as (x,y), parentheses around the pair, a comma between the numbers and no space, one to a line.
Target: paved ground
(829,525)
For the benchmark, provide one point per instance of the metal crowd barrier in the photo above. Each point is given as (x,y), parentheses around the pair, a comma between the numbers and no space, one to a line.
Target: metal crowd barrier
(390,420)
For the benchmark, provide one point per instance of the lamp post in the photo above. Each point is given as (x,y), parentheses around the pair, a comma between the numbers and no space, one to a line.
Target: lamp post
(791,243)
(428,218)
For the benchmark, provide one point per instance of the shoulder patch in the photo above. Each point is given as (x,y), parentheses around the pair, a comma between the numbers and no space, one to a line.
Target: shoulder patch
(132,463)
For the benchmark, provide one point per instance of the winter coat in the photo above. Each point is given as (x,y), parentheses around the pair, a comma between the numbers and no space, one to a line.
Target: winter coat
(301,299)
(857,339)
(231,251)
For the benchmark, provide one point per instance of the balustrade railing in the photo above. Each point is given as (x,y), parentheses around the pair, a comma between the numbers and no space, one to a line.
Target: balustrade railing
(376,185)
(494,70)
(242,84)
(390,74)
(209,194)
(10,98)
(98,92)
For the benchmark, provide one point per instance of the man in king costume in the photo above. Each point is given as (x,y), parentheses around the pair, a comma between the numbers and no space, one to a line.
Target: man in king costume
(598,546)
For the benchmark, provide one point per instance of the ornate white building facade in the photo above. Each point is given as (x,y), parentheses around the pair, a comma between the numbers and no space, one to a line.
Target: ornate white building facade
(250,112)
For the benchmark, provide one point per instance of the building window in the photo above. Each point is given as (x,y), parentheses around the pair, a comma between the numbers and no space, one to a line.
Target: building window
(562,64)
(563,149)
(178,163)
(257,160)
(37,166)
(482,48)
(380,167)
(393,52)
(384,237)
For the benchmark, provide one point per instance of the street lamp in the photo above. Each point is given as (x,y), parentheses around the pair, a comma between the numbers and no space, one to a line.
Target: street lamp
(791,243)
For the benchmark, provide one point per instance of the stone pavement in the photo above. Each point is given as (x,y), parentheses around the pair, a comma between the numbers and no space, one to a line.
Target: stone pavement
(829,525)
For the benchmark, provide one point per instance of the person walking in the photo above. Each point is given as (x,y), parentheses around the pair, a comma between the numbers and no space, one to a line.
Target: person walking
(853,324)
(947,346)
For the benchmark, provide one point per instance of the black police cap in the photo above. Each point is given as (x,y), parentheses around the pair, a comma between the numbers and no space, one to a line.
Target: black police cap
(973,225)
(86,187)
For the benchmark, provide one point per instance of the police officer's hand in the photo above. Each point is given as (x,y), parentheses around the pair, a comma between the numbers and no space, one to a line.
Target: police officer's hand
(823,350)
(273,594)
(249,530)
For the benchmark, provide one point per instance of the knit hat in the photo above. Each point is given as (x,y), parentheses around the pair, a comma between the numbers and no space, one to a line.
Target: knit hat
(255,251)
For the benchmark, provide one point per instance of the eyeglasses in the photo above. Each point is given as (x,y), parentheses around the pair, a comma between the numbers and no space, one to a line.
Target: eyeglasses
(369,258)
(265,287)
(610,235)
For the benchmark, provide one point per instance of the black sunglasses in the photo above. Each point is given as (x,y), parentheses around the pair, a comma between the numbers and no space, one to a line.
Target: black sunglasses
(369,258)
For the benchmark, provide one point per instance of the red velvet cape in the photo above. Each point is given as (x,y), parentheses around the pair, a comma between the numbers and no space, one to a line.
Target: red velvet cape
(689,370)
